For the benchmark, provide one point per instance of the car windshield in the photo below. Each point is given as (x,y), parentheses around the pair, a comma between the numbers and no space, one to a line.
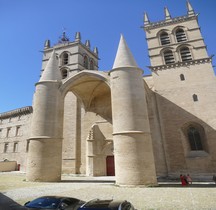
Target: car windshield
(44,203)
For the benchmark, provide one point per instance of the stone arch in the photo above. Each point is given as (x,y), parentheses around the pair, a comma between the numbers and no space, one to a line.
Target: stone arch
(186,141)
(164,37)
(91,92)
(186,51)
(181,36)
(64,58)
(88,86)
(171,56)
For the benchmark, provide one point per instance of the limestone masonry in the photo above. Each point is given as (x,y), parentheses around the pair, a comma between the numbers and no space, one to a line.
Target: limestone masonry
(98,123)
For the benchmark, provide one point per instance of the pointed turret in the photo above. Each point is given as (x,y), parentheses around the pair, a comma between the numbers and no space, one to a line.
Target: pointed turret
(87,44)
(167,13)
(131,129)
(51,71)
(78,36)
(190,10)
(95,50)
(47,44)
(146,19)
(124,57)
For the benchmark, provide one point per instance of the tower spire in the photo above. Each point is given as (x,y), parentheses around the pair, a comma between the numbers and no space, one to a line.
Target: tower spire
(146,19)
(47,44)
(124,57)
(87,44)
(167,13)
(190,10)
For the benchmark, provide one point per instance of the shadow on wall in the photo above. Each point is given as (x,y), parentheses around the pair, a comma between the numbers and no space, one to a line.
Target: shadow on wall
(175,123)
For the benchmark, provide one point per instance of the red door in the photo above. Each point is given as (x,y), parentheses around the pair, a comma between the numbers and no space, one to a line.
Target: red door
(110,164)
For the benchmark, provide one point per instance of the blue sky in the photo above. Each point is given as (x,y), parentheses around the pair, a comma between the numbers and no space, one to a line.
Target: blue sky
(26,24)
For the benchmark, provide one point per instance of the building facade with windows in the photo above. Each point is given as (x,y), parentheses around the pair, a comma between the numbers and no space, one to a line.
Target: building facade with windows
(97,123)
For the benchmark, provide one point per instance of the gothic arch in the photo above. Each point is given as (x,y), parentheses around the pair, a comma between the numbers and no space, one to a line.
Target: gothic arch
(85,61)
(64,58)
(195,139)
(92,89)
(180,34)
(164,37)
(64,72)
(188,55)
(178,27)
(170,57)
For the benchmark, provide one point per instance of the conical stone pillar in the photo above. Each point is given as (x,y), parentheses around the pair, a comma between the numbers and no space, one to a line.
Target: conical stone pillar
(45,148)
(134,160)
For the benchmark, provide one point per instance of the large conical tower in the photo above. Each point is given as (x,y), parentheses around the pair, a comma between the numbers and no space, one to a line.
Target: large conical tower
(134,161)
(45,148)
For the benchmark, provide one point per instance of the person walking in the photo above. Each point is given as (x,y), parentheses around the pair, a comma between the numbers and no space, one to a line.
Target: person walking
(189,180)
(183,180)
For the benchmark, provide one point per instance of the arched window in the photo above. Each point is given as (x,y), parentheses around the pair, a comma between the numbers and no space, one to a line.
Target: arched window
(182,77)
(64,73)
(65,59)
(92,64)
(185,54)
(180,35)
(168,57)
(194,138)
(85,62)
(164,38)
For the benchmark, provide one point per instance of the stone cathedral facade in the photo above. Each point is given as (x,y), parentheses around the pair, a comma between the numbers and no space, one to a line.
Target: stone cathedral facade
(99,123)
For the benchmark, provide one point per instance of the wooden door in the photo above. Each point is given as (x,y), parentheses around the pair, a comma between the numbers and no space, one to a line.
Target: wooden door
(110,164)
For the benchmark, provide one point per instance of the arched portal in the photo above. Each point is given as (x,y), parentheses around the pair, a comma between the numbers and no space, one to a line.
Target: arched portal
(87,123)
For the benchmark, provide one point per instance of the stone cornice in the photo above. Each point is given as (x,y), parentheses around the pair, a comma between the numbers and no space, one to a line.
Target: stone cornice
(180,64)
(177,44)
(66,45)
(17,112)
(169,22)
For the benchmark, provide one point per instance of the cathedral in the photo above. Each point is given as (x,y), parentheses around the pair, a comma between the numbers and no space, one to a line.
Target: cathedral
(119,122)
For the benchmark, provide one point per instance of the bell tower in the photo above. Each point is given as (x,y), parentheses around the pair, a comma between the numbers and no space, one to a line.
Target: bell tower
(74,56)
(185,89)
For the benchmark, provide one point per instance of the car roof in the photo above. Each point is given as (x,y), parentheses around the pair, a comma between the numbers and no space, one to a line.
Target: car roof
(57,197)
(105,204)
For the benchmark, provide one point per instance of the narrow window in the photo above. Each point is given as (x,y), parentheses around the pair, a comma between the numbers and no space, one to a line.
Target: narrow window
(182,77)
(185,54)
(180,35)
(65,59)
(64,73)
(8,132)
(92,64)
(168,57)
(15,148)
(195,97)
(18,131)
(0,133)
(194,139)
(164,38)
(27,146)
(85,62)
(5,147)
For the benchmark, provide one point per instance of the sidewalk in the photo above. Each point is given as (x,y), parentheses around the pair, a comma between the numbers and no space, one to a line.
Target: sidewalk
(168,195)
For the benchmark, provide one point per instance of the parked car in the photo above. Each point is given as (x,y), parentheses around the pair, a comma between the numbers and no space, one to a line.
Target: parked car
(54,202)
(107,205)
(7,203)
